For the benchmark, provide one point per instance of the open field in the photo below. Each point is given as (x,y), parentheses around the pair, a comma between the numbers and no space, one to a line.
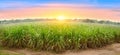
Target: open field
(58,36)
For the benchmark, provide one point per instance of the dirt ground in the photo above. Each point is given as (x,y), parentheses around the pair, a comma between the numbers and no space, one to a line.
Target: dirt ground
(113,49)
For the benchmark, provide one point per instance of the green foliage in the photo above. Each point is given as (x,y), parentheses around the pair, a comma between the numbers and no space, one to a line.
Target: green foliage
(59,36)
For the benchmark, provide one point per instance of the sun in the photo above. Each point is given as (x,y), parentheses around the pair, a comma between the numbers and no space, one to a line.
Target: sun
(61,18)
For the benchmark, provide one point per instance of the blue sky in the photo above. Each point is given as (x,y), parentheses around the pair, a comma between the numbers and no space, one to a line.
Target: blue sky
(65,1)
(97,3)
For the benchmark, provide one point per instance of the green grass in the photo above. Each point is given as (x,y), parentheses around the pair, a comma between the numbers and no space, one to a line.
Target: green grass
(58,36)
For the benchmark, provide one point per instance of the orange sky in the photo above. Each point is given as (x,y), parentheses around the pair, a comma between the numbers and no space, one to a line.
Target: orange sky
(67,10)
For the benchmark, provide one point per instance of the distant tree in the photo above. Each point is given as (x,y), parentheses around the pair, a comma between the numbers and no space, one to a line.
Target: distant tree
(90,20)
(118,23)
(101,21)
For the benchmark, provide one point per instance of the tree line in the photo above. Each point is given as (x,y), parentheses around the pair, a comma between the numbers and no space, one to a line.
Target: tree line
(73,20)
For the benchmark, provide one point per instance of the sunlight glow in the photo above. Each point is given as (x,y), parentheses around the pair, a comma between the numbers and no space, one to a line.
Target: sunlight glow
(61,18)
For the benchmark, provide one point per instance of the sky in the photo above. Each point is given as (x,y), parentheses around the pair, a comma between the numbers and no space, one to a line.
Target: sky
(93,9)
